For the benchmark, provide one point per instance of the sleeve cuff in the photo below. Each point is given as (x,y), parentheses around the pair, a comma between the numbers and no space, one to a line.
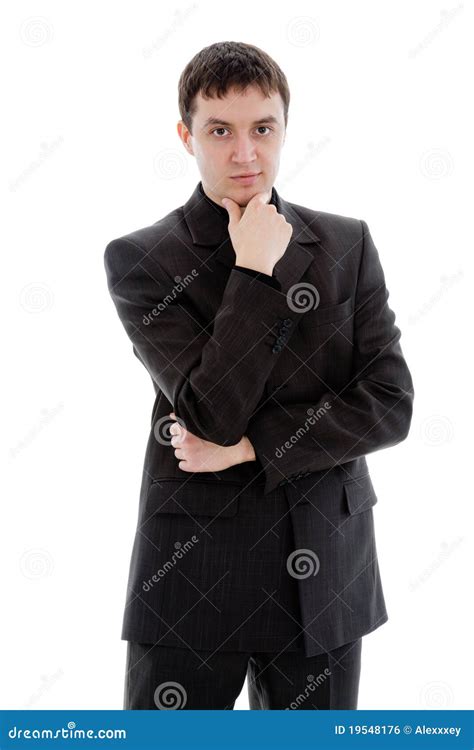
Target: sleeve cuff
(264,277)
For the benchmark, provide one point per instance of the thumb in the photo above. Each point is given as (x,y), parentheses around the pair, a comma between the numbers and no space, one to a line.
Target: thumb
(233,209)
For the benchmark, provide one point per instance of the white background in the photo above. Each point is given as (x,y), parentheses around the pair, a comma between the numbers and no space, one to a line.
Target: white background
(379,129)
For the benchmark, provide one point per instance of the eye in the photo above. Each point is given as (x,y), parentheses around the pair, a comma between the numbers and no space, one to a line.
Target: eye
(260,127)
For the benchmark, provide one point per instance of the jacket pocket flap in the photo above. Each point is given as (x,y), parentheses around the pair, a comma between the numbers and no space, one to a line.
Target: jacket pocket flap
(360,494)
(323,315)
(193,497)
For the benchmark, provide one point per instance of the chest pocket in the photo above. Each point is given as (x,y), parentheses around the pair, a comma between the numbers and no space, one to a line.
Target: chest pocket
(322,316)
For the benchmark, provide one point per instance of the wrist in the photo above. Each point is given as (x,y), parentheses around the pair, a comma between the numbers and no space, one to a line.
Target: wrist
(246,450)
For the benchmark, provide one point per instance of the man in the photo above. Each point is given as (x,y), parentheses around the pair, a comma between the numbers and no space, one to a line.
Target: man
(277,367)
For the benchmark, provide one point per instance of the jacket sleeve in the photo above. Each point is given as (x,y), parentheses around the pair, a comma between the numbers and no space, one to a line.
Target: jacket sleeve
(212,375)
(271,280)
(374,409)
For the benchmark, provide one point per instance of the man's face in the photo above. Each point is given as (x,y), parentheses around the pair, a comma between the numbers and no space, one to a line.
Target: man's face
(242,133)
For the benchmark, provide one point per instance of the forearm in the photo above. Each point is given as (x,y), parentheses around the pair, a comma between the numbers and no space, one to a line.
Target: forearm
(215,376)
(334,430)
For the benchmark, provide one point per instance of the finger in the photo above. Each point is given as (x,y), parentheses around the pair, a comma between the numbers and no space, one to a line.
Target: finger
(233,209)
(177,440)
(262,197)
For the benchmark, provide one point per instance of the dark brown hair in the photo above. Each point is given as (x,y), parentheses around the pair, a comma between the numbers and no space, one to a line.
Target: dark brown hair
(224,65)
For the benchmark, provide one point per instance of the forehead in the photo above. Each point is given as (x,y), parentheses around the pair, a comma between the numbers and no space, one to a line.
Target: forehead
(239,108)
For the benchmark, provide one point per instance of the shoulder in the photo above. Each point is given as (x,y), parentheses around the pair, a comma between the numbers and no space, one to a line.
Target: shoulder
(149,238)
(152,246)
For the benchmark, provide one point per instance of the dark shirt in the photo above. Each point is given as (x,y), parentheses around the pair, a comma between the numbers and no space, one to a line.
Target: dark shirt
(264,277)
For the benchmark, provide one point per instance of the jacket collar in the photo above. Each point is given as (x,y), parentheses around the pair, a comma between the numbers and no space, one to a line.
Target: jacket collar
(208,222)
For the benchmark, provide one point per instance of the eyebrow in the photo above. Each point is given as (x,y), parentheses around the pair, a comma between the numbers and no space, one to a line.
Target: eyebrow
(216,121)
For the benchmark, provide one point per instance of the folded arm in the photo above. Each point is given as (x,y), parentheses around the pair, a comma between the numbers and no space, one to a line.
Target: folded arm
(373,410)
(213,375)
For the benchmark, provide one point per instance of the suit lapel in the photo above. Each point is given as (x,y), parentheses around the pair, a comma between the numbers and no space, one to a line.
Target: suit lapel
(208,226)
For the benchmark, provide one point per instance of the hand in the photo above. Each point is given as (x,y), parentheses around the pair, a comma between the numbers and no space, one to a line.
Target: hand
(196,454)
(261,236)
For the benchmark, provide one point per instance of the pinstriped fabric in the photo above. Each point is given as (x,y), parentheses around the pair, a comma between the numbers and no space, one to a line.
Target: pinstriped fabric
(315,387)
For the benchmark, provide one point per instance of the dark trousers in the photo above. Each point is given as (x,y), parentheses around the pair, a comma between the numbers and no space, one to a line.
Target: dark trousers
(165,678)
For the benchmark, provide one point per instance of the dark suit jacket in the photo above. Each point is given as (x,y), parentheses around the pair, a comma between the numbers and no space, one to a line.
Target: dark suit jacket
(307,363)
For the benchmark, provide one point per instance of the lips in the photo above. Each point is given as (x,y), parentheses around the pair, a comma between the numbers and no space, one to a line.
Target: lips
(249,174)
(248,179)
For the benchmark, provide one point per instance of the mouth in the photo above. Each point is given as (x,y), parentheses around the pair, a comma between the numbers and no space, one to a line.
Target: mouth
(247,178)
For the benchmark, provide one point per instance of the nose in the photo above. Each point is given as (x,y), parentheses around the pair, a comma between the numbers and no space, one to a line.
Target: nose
(244,150)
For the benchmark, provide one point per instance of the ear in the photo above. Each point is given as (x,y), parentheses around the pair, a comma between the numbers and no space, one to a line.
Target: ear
(185,136)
